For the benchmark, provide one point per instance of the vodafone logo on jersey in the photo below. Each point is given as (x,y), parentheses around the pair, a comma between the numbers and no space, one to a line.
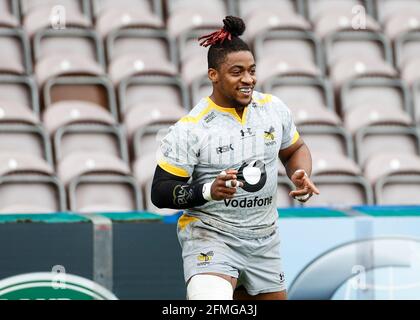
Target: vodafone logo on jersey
(253,175)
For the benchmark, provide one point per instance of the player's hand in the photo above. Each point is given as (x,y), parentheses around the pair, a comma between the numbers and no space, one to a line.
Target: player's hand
(225,185)
(305,188)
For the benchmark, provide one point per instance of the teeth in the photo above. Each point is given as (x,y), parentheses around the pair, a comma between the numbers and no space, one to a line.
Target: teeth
(245,90)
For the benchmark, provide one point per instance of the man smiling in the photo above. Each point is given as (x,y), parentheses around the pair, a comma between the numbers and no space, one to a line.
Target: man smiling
(220,164)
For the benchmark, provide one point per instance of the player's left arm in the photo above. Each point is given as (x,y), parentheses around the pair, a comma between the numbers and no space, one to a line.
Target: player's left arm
(297,161)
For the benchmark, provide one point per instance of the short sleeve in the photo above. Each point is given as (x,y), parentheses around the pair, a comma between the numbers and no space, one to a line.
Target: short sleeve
(179,151)
(290,134)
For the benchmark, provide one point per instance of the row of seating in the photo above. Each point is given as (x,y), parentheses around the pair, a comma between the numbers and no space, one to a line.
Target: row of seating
(93,182)
(356,65)
(381,10)
(76,93)
(96,156)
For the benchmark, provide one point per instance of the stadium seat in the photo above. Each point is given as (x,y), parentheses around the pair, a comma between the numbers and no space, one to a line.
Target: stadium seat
(410,71)
(75,38)
(149,7)
(81,126)
(146,139)
(91,86)
(284,36)
(403,29)
(28,185)
(341,40)
(328,138)
(26,138)
(186,26)
(74,78)
(56,6)
(245,8)
(223,6)
(143,170)
(15,51)
(284,186)
(385,9)
(19,90)
(142,82)
(372,83)
(353,67)
(315,9)
(194,75)
(340,182)
(309,96)
(126,32)
(9,13)
(98,182)
(395,178)
(377,131)
(411,75)
(145,115)
(272,67)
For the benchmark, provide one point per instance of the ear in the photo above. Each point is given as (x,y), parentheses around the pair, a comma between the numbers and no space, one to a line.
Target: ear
(213,75)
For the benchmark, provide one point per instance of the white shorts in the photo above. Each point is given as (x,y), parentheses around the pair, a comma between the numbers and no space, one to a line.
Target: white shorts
(255,263)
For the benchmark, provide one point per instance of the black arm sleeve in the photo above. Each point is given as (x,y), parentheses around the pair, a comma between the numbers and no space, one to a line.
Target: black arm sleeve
(170,191)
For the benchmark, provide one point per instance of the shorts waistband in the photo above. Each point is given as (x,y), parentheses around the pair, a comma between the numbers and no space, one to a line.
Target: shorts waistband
(241,233)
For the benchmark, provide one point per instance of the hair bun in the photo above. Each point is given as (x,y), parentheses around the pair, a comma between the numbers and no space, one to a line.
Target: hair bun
(234,25)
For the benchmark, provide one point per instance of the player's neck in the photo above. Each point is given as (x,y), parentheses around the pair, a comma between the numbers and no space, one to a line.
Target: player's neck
(224,103)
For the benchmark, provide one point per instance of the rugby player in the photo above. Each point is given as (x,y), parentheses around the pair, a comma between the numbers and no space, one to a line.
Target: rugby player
(220,164)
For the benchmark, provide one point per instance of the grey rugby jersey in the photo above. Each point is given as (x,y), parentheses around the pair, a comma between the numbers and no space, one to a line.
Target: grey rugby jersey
(211,139)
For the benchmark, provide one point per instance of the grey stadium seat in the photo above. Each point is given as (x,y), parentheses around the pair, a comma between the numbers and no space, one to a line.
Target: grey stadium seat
(370,83)
(150,7)
(144,169)
(328,138)
(80,126)
(284,186)
(404,30)
(21,131)
(194,75)
(224,7)
(28,185)
(340,182)
(316,8)
(285,37)
(126,32)
(98,182)
(309,96)
(342,40)
(20,90)
(245,8)
(15,51)
(395,178)
(72,6)
(75,78)
(145,115)
(146,139)
(142,82)
(411,75)
(9,13)
(75,38)
(381,131)
(387,8)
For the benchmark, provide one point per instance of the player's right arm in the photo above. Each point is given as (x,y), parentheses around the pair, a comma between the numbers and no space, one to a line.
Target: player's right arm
(174,192)
(176,162)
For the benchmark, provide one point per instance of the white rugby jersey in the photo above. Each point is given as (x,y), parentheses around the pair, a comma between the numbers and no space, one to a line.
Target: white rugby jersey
(211,139)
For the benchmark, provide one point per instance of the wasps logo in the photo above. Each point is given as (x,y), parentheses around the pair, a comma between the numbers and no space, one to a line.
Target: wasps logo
(205,257)
(269,135)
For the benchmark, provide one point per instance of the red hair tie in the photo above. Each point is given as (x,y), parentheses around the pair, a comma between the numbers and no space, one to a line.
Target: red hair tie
(215,37)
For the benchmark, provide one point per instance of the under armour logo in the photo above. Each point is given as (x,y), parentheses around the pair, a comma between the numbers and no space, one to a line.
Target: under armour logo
(247,132)
(282,277)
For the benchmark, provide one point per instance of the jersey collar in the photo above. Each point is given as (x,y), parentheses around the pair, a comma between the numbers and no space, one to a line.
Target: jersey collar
(232,111)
